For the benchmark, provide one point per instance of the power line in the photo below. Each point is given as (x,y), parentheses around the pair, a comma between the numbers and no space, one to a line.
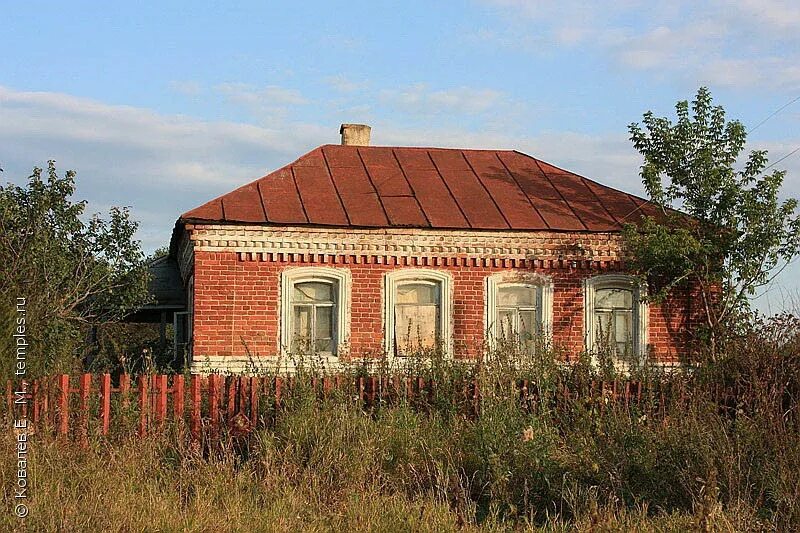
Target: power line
(782,158)
(781,108)
(784,106)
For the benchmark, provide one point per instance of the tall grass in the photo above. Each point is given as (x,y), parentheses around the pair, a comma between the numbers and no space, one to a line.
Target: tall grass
(328,464)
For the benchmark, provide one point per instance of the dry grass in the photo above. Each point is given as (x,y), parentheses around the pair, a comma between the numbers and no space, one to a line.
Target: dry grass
(331,466)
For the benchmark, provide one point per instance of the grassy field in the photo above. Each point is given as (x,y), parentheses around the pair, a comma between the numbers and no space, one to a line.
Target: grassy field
(331,466)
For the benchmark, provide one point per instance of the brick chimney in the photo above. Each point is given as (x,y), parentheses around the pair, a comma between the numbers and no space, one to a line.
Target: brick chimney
(355,134)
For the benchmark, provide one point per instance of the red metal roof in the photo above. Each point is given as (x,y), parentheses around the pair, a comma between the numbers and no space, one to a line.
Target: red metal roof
(378,186)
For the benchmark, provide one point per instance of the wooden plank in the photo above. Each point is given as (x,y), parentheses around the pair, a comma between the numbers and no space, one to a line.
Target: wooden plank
(372,391)
(177,397)
(63,404)
(143,404)
(278,391)
(255,383)
(213,403)
(194,398)
(125,389)
(243,394)
(360,389)
(84,384)
(232,383)
(161,397)
(105,403)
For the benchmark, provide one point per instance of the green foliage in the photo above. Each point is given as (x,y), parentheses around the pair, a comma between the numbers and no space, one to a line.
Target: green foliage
(737,232)
(74,270)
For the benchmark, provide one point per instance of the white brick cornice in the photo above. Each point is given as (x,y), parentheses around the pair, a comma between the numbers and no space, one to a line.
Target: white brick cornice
(406,242)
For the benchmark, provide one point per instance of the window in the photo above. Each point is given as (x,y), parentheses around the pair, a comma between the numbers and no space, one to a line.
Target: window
(518,308)
(417,312)
(182,340)
(313,307)
(314,304)
(616,318)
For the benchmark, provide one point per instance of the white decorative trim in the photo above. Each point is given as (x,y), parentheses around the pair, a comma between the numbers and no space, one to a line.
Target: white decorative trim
(343,279)
(641,311)
(266,365)
(531,279)
(185,256)
(501,245)
(393,278)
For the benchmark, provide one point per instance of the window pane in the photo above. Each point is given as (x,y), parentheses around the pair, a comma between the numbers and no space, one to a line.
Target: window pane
(602,323)
(506,325)
(527,324)
(313,291)
(415,327)
(516,296)
(613,299)
(323,332)
(417,293)
(622,326)
(301,328)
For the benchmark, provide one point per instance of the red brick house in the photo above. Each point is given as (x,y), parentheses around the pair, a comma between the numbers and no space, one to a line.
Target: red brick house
(365,251)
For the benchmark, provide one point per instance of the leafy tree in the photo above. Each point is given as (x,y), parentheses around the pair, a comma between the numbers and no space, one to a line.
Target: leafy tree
(738,234)
(73,269)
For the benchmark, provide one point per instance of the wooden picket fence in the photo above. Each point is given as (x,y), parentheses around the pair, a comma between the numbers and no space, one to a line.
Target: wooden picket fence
(210,405)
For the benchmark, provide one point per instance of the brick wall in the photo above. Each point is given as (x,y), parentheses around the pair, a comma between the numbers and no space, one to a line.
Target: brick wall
(237,278)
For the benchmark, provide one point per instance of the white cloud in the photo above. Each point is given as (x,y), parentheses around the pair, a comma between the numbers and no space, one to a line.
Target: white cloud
(775,15)
(343,84)
(419,98)
(186,87)
(732,43)
(271,95)
(124,155)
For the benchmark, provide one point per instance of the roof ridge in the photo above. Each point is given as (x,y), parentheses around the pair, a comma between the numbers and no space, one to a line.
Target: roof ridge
(394,147)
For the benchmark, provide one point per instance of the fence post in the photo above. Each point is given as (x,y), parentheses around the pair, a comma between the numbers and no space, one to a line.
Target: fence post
(125,389)
(372,391)
(254,392)
(85,385)
(143,405)
(360,387)
(105,406)
(63,404)
(213,403)
(244,394)
(232,382)
(177,397)
(161,397)
(278,386)
(195,401)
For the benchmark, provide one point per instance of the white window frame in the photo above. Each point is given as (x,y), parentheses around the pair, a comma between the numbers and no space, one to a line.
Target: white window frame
(396,277)
(544,287)
(640,309)
(341,279)
(189,313)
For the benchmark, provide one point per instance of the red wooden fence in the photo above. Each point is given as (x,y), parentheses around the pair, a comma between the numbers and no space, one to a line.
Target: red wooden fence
(86,404)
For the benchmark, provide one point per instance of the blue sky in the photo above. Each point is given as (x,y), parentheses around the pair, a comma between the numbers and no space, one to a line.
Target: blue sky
(162,107)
